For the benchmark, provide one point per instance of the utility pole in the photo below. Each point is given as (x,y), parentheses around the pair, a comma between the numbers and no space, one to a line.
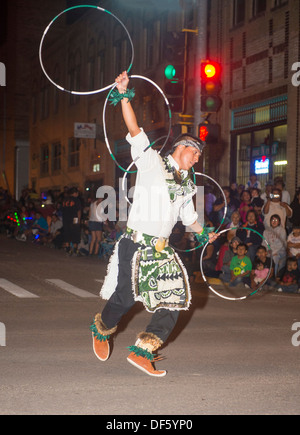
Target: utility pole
(201,54)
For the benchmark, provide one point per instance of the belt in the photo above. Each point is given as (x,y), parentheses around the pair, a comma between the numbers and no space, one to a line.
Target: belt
(139,237)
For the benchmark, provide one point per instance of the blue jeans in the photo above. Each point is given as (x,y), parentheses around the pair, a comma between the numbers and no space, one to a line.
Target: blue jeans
(292,288)
(226,277)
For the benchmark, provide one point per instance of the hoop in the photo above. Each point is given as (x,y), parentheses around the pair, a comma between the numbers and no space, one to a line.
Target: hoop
(149,146)
(223,218)
(46,31)
(252,292)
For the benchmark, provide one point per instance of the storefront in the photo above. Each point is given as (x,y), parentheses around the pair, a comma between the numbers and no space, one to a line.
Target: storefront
(259,141)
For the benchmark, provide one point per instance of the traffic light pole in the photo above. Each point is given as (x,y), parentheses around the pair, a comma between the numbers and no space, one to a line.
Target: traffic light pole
(201,54)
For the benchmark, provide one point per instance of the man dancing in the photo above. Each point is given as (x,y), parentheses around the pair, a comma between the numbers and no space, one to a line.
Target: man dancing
(143,266)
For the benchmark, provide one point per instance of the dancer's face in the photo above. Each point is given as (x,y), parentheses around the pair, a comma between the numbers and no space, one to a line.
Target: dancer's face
(188,157)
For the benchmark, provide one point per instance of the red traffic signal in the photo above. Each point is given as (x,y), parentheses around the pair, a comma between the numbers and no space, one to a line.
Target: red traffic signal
(210,86)
(209,133)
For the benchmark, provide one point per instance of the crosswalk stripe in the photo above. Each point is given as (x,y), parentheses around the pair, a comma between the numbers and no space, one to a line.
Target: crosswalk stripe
(15,289)
(71,289)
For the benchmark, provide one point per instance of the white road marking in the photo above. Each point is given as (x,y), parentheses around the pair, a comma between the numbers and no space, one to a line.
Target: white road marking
(15,289)
(71,289)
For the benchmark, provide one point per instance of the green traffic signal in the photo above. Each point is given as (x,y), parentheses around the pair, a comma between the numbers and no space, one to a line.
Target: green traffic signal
(170,72)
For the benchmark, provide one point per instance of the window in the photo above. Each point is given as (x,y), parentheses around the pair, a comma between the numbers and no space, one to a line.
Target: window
(56,92)
(74,76)
(101,61)
(74,152)
(277,3)
(35,102)
(56,157)
(91,64)
(239,9)
(45,100)
(44,168)
(258,6)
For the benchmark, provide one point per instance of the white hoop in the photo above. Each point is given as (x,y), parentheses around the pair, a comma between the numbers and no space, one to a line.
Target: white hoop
(42,42)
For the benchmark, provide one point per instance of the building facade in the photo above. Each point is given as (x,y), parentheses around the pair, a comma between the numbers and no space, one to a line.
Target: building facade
(257,43)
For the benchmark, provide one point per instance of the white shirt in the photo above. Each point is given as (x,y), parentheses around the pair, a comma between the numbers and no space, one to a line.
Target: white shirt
(275,208)
(152,211)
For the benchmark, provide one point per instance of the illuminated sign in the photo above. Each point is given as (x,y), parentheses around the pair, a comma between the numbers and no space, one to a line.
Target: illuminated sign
(261,166)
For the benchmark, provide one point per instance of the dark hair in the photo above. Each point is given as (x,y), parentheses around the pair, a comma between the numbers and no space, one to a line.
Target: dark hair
(291,260)
(251,211)
(261,247)
(276,216)
(186,136)
(258,262)
(243,244)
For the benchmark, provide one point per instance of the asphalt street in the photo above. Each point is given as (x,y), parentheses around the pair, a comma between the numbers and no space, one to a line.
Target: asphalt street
(223,357)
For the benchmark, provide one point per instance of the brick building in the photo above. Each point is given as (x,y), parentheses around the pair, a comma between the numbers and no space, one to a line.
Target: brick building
(256,42)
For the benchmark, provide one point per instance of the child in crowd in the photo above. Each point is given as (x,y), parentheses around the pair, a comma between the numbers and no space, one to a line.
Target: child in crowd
(260,274)
(240,266)
(288,277)
(293,244)
(235,223)
(275,235)
(227,257)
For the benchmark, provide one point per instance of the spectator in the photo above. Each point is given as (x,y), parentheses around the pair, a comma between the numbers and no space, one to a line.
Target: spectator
(209,199)
(274,205)
(240,266)
(235,222)
(84,245)
(295,206)
(279,184)
(71,212)
(234,193)
(293,244)
(39,228)
(227,257)
(47,210)
(251,238)
(258,274)
(55,236)
(253,182)
(245,205)
(262,256)
(240,190)
(255,193)
(288,277)
(268,189)
(276,237)
(257,203)
(218,208)
(95,225)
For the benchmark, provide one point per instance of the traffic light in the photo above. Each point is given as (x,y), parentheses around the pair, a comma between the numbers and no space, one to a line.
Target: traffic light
(174,55)
(209,133)
(210,86)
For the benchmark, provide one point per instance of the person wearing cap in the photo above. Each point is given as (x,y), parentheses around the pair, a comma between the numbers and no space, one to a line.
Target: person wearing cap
(143,267)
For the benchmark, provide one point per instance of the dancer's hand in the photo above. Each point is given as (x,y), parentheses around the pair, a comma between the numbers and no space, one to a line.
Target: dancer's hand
(122,81)
(212,237)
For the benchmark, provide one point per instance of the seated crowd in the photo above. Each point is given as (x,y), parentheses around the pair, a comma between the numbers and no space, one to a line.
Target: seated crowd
(66,220)
(241,256)
(63,220)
